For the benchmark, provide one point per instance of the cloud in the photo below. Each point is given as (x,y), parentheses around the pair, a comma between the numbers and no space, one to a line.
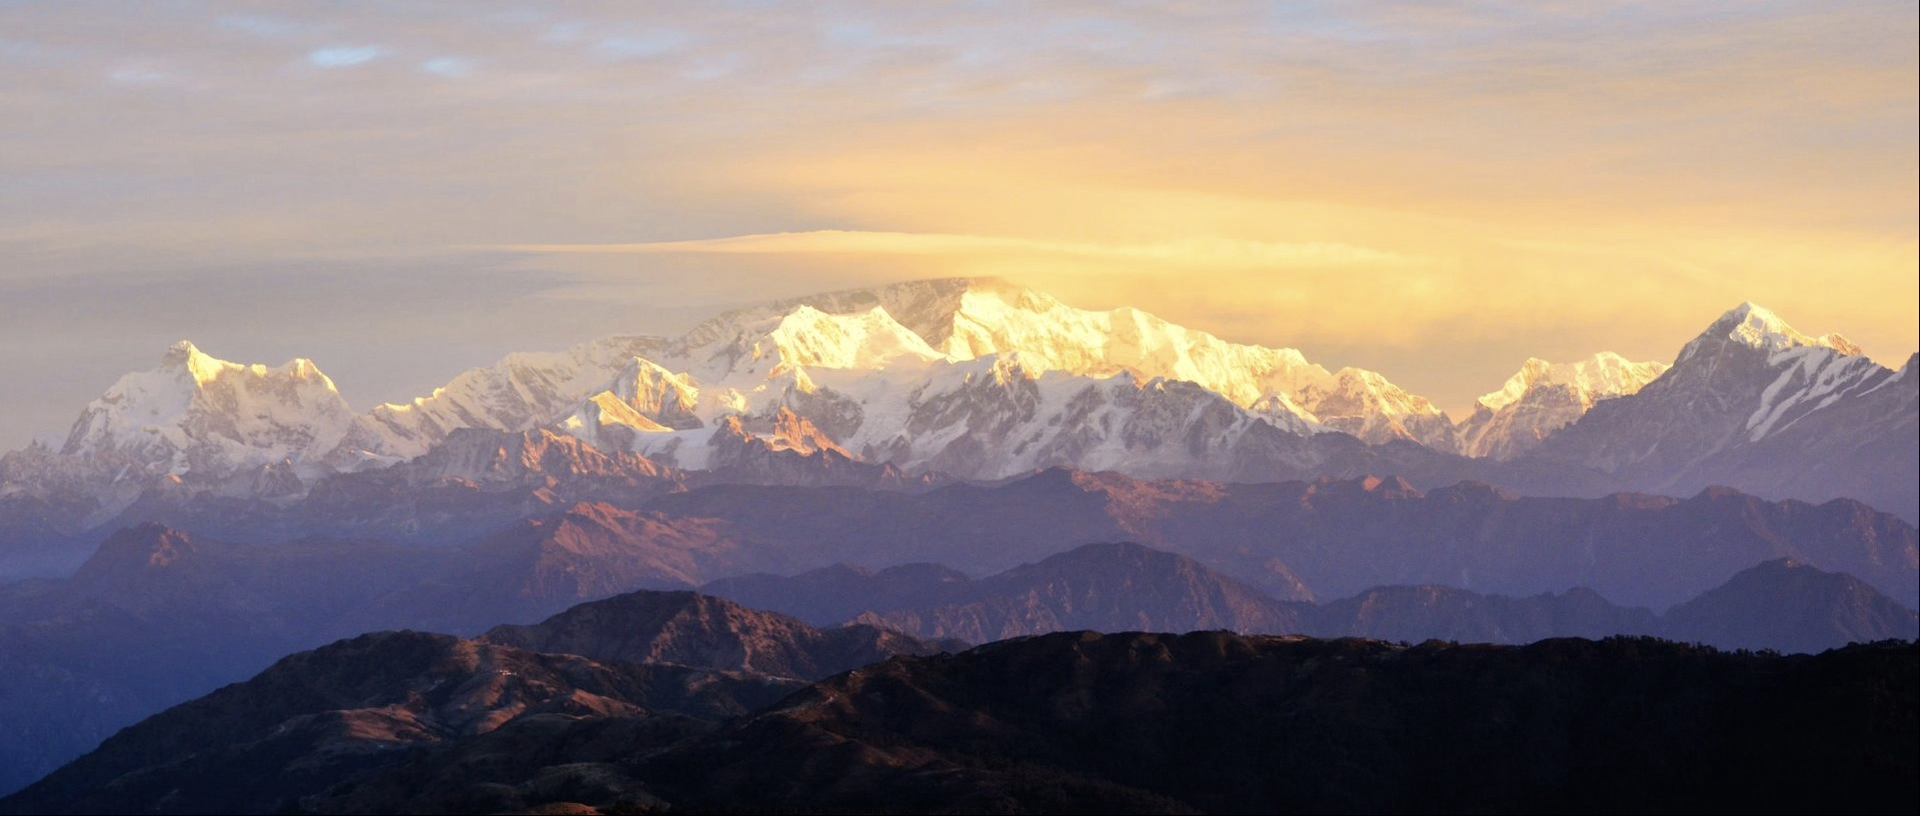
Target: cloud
(1434,190)
(259,25)
(651,44)
(344,56)
(449,67)
(1191,252)
(138,76)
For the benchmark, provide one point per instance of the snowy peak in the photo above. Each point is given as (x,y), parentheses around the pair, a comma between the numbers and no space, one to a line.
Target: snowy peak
(520,392)
(659,395)
(859,362)
(644,398)
(1366,405)
(192,397)
(809,338)
(206,370)
(1774,375)
(185,356)
(1603,375)
(1543,397)
(1755,326)
(201,424)
(927,308)
(1052,336)
(963,319)
(1756,405)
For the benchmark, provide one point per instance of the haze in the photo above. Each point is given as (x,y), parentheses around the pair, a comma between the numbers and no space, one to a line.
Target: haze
(403,191)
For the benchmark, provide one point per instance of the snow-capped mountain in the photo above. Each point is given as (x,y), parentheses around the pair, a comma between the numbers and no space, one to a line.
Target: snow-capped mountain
(1544,397)
(860,364)
(968,319)
(1754,404)
(992,418)
(980,379)
(521,392)
(203,425)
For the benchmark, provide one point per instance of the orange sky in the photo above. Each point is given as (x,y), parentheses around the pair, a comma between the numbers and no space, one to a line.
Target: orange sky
(1435,192)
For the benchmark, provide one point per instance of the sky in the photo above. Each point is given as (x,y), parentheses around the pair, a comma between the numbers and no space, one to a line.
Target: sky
(1436,191)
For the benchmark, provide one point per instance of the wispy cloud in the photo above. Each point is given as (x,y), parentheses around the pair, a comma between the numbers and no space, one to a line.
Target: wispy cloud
(449,67)
(1434,190)
(650,44)
(137,76)
(259,25)
(344,56)
(1191,252)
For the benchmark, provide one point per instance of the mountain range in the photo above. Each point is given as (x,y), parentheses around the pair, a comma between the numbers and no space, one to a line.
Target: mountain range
(1780,604)
(904,470)
(979,379)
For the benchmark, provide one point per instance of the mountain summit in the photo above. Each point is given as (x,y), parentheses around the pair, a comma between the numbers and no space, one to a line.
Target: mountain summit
(1755,404)
(1757,327)
(902,337)
(1542,397)
(202,424)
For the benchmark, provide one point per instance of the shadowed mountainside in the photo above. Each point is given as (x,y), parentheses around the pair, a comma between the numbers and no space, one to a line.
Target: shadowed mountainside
(318,718)
(1213,722)
(1069,722)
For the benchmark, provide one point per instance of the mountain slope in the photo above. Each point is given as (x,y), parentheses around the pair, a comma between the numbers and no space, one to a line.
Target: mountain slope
(1419,613)
(317,718)
(1754,404)
(699,630)
(1789,606)
(1104,587)
(1071,722)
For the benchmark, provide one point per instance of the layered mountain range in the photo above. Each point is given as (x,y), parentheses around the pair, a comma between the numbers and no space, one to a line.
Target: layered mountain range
(979,379)
(903,469)
(157,615)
